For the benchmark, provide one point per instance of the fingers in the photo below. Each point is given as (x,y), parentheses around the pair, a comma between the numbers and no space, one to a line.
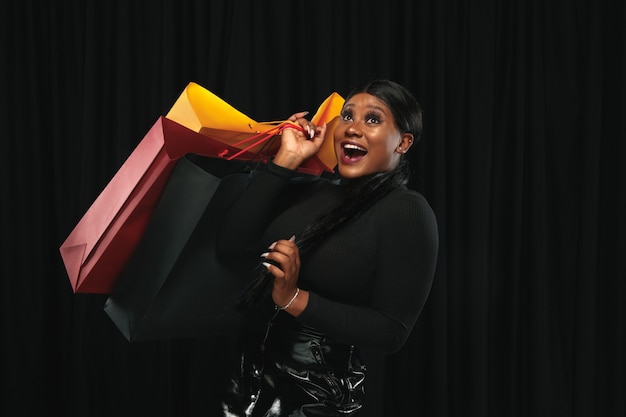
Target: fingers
(300,140)
(320,132)
(309,128)
(297,116)
(283,260)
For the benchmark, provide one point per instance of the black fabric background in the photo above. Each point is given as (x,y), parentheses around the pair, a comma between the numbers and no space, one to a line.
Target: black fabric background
(522,159)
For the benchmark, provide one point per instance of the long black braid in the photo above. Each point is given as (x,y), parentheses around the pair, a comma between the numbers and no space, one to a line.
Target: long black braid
(361,193)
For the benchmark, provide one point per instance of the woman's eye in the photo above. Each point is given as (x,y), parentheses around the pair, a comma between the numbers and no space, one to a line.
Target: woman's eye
(346,116)
(373,118)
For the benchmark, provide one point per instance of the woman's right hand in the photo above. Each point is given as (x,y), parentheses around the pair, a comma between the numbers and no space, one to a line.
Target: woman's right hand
(296,146)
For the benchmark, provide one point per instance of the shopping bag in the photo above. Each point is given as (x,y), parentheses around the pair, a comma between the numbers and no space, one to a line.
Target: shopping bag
(204,112)
(98,247)
(100,244)
(174,284)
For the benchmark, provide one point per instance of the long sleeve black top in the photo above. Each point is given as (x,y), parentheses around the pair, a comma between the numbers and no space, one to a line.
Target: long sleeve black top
(368,281)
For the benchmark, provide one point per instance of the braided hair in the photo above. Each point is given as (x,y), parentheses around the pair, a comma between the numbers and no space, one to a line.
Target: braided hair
(362,193)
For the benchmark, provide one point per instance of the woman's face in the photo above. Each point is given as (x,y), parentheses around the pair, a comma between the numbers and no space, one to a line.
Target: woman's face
(367,140)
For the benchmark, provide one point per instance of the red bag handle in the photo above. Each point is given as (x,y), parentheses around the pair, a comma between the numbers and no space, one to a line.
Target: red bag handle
(264,137)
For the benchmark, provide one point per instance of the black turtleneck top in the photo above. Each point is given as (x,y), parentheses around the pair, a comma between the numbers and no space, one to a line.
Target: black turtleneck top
(368,281)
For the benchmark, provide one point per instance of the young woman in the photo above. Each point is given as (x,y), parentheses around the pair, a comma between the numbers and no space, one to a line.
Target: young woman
(341,266)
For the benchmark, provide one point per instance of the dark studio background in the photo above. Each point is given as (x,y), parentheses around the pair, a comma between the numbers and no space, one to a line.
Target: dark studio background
(522,159)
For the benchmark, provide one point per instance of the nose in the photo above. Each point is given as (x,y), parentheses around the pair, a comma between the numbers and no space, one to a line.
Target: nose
(353,129)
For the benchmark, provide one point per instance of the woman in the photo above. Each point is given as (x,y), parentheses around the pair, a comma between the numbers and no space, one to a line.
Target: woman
(342,265)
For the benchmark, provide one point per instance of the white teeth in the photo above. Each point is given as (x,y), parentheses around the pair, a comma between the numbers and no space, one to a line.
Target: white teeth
(355,147)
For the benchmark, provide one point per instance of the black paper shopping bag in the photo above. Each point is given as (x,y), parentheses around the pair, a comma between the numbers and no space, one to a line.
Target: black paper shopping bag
(174,285)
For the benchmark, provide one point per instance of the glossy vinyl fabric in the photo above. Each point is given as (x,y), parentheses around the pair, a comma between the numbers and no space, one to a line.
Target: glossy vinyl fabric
(296,371)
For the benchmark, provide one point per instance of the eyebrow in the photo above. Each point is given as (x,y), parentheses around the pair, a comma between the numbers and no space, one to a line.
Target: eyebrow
(369,107)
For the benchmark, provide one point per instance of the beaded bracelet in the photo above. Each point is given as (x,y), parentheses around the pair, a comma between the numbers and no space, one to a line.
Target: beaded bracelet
(286,306)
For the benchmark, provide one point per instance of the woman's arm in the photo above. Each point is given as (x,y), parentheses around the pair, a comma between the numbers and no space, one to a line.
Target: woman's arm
(405,265)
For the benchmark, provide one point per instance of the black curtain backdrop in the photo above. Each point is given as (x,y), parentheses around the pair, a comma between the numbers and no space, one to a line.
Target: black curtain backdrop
(522,159)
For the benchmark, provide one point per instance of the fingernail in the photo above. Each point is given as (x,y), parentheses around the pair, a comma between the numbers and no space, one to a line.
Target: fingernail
(272,246)
(293,238)
(264,255)
(266,265)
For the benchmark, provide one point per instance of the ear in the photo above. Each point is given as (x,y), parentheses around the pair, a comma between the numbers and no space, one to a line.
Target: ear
(406,141)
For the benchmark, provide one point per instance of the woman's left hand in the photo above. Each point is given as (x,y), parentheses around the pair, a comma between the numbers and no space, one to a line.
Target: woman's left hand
(285,267)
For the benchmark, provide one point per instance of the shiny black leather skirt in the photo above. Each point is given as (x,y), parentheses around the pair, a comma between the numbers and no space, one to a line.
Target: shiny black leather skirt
(295,371)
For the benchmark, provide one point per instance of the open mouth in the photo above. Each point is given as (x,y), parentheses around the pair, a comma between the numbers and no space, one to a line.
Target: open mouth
(352,152)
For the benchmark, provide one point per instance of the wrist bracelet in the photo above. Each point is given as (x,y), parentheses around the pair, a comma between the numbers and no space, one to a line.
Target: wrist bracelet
(286,306)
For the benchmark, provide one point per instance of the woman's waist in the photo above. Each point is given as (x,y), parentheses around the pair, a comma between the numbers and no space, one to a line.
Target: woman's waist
(298,345)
